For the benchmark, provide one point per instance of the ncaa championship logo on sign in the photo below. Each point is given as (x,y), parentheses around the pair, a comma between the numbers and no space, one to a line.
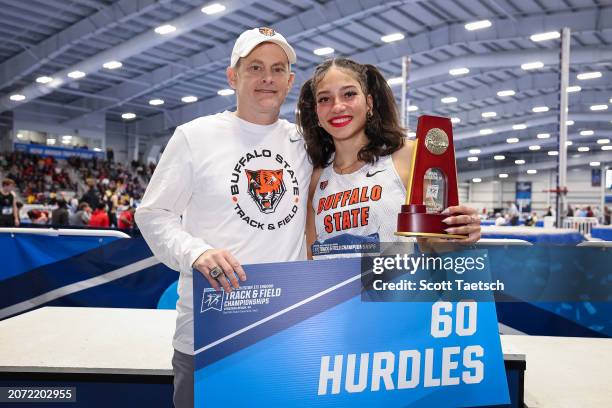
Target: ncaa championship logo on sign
(212,300)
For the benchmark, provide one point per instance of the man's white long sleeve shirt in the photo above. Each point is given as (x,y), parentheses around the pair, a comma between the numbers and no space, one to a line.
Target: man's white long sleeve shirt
(223,182)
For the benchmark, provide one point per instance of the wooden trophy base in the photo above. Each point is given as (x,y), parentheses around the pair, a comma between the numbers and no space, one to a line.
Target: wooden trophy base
(415,221)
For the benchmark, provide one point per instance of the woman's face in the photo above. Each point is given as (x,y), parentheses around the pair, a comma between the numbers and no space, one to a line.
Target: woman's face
(341,104)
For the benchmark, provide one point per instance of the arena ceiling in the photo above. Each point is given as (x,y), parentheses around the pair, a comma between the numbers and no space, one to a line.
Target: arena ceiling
(58,38)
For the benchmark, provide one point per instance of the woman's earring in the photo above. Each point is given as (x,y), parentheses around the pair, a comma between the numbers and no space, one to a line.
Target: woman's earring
(369,115)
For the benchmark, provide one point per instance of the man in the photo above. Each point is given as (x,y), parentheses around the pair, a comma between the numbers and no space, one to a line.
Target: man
(81,216)
(126,219)
(60,216)
(99,218)
(9,216)
(513,213)
(228,187)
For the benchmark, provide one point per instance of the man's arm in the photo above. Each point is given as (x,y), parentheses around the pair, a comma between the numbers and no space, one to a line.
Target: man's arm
(15,210)
(165,199)
(159,218)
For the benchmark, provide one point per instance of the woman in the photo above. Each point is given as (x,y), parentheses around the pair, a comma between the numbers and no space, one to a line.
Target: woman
(349,120)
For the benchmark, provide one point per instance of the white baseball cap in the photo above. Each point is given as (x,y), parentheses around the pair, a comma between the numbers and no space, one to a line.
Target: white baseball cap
(252,38)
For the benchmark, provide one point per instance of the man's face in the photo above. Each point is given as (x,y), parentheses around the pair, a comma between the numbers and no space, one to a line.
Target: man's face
(262,79)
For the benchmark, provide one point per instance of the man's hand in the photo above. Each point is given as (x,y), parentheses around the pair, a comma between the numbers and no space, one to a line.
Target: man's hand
(461,214)
(224,260)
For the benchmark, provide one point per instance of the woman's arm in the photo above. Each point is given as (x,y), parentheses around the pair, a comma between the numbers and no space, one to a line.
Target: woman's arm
(402,161)
(311,230)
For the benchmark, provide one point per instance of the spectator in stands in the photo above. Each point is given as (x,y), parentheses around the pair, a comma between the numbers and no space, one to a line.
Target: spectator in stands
(570,211)
(606,216)
(9,215)
(126,219)
(581,212)
(589,211)
(531,220)
(110,155)
(513,213)
(549,212)
(59,216)
(99,218)
(39,217)
(112,201)
(92,196)
(82,216)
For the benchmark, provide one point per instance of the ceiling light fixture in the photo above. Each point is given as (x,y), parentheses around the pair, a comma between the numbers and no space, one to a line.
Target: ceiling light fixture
(112,65)
(532,65)
(589,75)
(392,37)
(44,79)
(477,25)
(599,107)
(76,74)
(165,29)
(551,35)
(324,51)
(189,99)
(507,92)
(213,8)
(459,71)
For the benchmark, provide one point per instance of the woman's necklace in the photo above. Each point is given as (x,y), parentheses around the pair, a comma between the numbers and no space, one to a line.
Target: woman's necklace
(344,169)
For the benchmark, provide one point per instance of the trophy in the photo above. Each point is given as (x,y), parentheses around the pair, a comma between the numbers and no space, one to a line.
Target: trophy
(433,181)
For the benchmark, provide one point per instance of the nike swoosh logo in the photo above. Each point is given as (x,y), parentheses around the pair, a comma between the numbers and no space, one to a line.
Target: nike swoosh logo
(294,140)
(368,174)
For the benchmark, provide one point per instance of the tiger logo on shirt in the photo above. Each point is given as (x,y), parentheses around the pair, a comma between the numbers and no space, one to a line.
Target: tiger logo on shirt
(266,187)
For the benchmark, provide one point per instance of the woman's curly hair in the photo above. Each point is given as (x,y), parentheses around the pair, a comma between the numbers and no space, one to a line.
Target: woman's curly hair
(383,130)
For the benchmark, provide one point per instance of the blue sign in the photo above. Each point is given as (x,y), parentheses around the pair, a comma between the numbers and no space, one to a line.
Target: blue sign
(58,152)
(523,196)
(299,334)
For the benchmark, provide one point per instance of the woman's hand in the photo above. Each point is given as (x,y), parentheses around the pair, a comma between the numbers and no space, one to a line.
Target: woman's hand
(461,214)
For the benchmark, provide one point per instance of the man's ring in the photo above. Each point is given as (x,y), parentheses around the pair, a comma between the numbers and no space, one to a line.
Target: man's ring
(216,272)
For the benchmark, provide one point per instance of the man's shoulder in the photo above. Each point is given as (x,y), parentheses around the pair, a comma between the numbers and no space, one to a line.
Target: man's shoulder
(289,132)
(202,123)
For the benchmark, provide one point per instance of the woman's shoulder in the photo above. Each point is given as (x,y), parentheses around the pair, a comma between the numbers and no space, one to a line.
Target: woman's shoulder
(404,152)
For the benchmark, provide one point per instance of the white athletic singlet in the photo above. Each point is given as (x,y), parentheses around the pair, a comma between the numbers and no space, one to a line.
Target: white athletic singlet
(354,212)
